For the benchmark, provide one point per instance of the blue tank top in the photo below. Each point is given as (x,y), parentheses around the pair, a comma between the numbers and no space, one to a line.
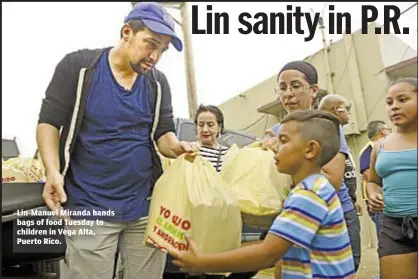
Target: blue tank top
(110,167)
(398,170)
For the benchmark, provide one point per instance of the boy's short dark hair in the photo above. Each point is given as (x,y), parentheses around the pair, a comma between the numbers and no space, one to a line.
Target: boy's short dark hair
(320,126)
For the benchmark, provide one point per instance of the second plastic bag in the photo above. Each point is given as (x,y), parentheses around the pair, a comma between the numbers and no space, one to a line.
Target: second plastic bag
(191,198)
(260,188)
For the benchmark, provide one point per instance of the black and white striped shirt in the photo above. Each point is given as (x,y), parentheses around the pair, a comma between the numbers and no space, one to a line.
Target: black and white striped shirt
(214,155)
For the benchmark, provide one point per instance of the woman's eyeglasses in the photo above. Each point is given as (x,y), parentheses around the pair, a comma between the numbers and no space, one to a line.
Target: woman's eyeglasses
(294,89)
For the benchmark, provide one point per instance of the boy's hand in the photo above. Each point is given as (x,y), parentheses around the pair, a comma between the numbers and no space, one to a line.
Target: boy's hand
(189,261)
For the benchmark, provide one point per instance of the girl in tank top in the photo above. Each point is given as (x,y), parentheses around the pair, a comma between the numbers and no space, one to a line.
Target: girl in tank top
(392,186)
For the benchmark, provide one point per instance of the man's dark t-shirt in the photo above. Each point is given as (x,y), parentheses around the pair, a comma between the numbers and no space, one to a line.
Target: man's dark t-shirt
(350,178)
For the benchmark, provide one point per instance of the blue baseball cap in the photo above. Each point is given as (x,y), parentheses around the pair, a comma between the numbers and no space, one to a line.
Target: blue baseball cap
(156,18)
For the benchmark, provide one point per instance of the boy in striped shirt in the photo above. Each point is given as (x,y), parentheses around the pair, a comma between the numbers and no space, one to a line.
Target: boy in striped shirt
(310,234)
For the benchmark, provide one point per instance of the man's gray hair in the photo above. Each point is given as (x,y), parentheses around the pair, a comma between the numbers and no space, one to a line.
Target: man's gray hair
(374,128)
(330,101)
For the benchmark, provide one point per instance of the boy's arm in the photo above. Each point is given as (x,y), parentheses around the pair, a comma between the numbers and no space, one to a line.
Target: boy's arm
(297,224)
(250,258)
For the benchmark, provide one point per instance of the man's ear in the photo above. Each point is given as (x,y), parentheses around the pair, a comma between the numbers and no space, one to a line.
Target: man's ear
(313,149)
(126,32)
(334,110)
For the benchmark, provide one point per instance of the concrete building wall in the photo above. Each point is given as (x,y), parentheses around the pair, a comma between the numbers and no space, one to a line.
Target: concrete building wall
(241,114)
(394,50)
(358,74)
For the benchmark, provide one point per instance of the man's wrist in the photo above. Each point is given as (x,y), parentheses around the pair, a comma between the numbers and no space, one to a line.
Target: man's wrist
(51,171)
(176,149)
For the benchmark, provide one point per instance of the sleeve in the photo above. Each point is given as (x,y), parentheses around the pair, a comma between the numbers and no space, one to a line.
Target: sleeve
(166,121)
(60,94)
(365,159)
(301,218)
(343,142)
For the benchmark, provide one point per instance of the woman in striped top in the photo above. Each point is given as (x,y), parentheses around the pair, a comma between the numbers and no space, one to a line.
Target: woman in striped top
(209,121)
(210,125)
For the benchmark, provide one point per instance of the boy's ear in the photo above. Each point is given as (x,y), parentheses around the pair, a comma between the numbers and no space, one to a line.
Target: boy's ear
(313,150)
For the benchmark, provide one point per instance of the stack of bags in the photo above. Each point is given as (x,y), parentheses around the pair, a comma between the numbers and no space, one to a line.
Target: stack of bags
(23,170)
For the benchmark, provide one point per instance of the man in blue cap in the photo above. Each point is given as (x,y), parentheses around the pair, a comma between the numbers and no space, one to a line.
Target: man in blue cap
(103,113)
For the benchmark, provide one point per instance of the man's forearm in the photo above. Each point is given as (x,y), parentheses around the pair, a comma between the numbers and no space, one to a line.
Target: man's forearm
(47,137)
(334,170)
(334,181)
(169,145)
(169,152)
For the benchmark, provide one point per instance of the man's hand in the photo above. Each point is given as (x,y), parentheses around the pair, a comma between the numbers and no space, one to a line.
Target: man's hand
(185,147)
(189,261)
(169,146)
(54,194)
(376,203)
(359,208)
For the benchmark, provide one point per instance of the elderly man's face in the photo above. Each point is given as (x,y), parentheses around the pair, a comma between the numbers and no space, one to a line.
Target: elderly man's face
(342,111)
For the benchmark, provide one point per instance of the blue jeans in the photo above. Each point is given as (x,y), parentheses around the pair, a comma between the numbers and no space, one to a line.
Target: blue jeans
(353,228)
(377,220)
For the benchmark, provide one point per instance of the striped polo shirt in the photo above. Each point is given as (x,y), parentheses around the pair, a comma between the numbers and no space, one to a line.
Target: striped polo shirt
(313,220)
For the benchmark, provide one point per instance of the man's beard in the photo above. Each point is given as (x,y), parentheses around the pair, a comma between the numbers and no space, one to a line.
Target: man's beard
(137,67)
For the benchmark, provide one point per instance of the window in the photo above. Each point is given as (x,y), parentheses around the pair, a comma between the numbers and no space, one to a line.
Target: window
(186,131)
(232,137)
(9,149)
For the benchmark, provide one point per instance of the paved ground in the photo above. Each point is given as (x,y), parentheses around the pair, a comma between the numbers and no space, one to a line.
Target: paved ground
(369,266)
